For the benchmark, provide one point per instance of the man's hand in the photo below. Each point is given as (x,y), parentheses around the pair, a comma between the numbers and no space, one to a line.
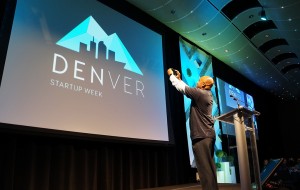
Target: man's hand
(175,72)
(170,71)
(178,75)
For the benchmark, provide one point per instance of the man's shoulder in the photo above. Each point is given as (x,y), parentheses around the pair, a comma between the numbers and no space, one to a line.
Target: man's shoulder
(195,89)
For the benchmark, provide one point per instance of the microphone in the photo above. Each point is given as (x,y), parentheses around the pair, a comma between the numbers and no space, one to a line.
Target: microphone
(234,98)
(237,101)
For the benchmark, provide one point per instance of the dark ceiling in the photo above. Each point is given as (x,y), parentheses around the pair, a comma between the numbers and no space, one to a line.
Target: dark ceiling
(265,52)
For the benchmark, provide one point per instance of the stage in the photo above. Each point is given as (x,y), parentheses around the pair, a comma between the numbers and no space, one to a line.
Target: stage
(196,186)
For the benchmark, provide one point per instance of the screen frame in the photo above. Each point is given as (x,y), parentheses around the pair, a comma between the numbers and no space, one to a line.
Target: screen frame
(217,79)
(6,26)
(269,169)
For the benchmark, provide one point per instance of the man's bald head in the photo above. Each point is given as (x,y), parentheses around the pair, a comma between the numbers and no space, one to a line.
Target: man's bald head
(205,83)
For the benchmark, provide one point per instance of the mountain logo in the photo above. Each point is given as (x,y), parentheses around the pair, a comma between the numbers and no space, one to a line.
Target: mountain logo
(90,34)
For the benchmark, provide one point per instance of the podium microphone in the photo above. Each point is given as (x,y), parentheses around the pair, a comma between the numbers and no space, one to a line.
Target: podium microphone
(235,99)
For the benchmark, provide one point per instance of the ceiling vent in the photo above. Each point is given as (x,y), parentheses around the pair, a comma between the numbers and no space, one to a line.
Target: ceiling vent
(258,27)
(282,57)
(271,44)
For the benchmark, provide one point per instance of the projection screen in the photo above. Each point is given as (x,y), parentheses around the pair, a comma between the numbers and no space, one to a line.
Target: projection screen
(80,66)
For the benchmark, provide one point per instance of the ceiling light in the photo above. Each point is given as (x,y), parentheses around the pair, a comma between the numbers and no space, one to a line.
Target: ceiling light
(263,15)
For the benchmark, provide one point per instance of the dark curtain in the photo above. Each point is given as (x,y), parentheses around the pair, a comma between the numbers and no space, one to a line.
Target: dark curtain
(43,163)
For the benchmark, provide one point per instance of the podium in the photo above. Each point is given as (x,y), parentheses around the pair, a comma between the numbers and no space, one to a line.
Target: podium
(237,118)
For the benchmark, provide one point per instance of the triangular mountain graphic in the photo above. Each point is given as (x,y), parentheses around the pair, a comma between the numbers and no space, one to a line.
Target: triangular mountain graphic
(114,44)
(90,31)
(87,31)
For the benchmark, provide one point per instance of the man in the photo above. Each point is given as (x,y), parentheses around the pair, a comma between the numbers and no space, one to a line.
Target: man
(201,126)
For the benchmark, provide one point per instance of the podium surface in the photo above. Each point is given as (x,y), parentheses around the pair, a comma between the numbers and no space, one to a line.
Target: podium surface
(228,117)
(237,118)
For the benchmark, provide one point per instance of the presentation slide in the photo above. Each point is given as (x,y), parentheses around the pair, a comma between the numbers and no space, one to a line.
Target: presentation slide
(229,98)
(80,66)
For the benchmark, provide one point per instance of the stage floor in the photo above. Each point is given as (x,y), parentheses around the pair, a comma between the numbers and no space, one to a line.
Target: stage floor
(196,186)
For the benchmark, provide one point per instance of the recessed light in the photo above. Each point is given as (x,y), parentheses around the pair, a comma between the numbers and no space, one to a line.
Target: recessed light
(263,15)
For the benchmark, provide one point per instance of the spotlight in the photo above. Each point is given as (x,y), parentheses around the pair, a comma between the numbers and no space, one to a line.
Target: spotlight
(263,15)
